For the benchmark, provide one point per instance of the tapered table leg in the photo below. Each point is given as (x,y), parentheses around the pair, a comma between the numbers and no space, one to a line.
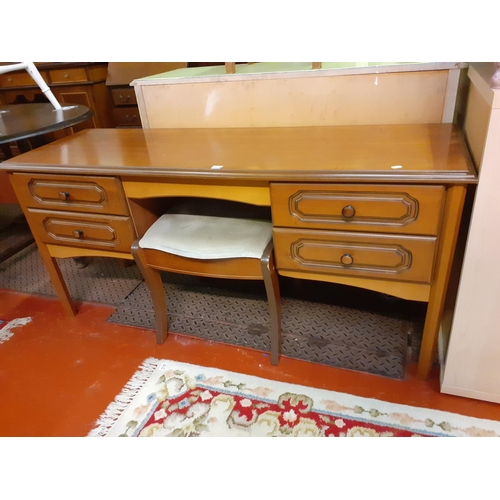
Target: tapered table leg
(451,223)
(57,280)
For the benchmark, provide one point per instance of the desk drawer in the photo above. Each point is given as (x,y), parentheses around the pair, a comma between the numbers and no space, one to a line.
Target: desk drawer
(127,117)
(19,79)
(380,208)
(124,97)
(66,192)
(68,75)
(401,258)
(82,230)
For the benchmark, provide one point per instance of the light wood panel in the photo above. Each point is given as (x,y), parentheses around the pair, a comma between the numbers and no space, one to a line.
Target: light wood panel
(472,360)
(476,124)
(60,252)
(409,291)
(417,97)
(256,195)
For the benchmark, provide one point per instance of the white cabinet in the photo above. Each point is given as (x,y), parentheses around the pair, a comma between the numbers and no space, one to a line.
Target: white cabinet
(472,363)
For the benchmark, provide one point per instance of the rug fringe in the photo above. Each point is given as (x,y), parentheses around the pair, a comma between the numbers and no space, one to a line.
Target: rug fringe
(122,400)
(6,332)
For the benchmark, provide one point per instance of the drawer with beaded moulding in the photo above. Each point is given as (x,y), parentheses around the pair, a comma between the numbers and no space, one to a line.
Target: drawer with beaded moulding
(101,232)
(401,209)
(382,256)
(76,193)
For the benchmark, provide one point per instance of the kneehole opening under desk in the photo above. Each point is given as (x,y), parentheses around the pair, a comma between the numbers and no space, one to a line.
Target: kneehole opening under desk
(254,195)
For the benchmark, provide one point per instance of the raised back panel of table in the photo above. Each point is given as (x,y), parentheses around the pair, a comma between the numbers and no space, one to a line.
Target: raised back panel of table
(295,94)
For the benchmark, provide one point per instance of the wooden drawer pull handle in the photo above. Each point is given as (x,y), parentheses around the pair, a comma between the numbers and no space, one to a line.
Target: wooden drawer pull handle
(77,233)
(348,211)
(346,259)
(63,195)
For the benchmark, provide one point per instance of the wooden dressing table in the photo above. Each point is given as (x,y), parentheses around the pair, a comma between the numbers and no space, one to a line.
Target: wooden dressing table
(373,206)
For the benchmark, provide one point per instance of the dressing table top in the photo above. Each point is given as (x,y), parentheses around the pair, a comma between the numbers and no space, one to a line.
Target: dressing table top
(374,153)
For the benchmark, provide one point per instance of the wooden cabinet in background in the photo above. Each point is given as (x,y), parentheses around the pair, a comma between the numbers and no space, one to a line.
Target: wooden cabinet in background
(125,112)
(71,83)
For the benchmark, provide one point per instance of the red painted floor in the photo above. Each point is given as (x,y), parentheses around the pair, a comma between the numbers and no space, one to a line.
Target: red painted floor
(58,374)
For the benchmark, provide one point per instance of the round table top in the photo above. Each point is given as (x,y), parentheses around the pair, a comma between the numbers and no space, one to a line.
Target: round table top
(21,121)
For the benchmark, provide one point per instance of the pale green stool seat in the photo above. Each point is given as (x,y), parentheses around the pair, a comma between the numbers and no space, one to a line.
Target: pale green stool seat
(211,246)
(206,237)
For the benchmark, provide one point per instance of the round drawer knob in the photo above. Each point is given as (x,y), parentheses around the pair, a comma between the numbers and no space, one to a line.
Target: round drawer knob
(66,75)
(63,195)
(346,259)
(78,234)
(348,211)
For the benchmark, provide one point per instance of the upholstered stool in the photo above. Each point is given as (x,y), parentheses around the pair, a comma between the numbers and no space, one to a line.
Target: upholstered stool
(211,246)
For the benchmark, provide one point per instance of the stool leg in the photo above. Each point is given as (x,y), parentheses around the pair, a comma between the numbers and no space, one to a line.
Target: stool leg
(153,280)
(273,300)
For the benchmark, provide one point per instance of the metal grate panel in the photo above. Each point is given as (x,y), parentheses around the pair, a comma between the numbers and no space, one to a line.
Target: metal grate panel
(322,333)
(371,337)
(104,280)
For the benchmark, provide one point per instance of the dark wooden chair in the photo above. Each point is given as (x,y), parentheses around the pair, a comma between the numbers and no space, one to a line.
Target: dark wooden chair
(183,241)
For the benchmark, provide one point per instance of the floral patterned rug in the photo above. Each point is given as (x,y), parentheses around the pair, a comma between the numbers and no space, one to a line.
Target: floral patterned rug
(169,398)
